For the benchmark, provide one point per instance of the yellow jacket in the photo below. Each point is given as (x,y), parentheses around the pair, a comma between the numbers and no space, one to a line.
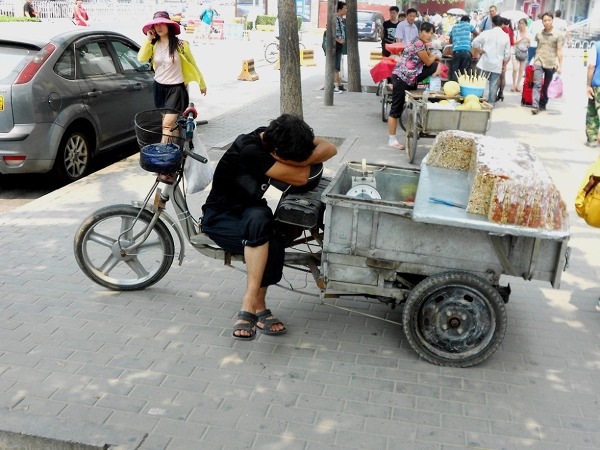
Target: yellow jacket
(188,63)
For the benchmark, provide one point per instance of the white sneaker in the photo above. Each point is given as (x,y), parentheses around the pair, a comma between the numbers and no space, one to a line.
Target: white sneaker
(337,90)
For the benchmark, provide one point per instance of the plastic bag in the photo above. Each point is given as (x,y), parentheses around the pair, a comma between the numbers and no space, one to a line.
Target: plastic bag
(197,175)
(587,203)
(555,88)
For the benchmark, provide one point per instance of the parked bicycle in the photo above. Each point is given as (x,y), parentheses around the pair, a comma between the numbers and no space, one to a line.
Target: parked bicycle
(272,51)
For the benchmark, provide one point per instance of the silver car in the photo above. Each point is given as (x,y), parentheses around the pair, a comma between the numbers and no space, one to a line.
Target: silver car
(66,94)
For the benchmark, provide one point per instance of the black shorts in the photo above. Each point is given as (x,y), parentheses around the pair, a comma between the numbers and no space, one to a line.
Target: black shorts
(232,230)
(338,56)
(171,96)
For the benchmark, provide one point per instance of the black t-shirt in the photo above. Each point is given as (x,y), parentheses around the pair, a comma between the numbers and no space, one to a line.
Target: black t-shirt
(239,180)
(389,33)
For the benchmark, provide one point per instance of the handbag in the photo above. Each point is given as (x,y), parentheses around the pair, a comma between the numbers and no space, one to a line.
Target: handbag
(555,88)
(197,175)
(587,202)
(520,53)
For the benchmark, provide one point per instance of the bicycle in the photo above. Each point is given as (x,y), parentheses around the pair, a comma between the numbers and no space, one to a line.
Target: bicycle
(272,51)
(130,247)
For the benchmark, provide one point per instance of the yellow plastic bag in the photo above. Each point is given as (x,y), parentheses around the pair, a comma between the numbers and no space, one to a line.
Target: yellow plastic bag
(587,203)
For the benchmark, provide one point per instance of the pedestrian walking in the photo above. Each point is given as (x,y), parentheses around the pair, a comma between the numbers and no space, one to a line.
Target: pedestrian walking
(521,47)
(548,61)
(388,32)
(494,47)
(29,10)
(407,31)
(486,23)
(461,36)
(174,67)
(592,117)
(339,39)
(508,29)
(80,15)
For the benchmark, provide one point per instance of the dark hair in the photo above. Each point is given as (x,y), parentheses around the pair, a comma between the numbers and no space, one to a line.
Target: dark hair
(394,8)
(427,27)
(289,137)
(557,13)
(411,10)
(173,40)
(498,21)
(465,18)
(341,5)
(548,14)
(402,14)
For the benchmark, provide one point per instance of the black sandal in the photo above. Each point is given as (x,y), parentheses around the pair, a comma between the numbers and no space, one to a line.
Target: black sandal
(268,323)
(249,326)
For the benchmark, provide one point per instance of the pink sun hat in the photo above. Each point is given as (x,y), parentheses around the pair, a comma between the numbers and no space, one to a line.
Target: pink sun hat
(161,17)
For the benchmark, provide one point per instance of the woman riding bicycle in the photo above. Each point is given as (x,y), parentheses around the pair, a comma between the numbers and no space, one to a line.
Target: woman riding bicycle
(174,66)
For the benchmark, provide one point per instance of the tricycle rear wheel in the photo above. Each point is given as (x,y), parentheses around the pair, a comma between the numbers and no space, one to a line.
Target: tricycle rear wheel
(454,319)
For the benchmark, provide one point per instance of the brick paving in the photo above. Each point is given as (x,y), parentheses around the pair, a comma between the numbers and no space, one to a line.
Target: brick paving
(158,370)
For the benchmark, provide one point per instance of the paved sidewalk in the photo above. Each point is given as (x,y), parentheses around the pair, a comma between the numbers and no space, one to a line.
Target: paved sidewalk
(157,369)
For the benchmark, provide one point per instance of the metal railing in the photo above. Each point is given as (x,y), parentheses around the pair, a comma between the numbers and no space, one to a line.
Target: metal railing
(62,9)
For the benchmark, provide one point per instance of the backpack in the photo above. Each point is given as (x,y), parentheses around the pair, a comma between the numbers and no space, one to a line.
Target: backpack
(587,203)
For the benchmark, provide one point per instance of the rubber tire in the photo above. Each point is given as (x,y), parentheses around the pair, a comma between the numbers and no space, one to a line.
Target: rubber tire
(437,301)
(385,104)
(160,235)
(73,157)
(271,53)
(404,116)
(412,136)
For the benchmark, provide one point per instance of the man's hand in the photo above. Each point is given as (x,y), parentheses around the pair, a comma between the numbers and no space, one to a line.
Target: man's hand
(590,93)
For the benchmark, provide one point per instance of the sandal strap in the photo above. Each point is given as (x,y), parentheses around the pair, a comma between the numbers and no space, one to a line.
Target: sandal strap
(245,315)
(246,326)
(263,315)
(268,323)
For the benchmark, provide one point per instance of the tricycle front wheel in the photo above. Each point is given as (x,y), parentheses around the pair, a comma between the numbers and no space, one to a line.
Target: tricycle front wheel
(454,319)
(101,244)
(412,135)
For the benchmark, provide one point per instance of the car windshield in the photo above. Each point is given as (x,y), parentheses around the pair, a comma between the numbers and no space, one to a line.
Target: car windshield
(363,16)
(12,58)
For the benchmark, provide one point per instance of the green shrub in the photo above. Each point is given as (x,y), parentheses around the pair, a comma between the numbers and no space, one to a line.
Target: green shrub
(19,19)
(266,20)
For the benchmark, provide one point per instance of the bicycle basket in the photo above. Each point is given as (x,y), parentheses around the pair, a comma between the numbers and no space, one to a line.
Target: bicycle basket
(149,130)
(160,158)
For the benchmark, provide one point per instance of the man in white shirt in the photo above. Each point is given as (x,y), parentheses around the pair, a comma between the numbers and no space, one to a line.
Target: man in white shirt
(561,25)
(534,28)
(406,30)
(494,46)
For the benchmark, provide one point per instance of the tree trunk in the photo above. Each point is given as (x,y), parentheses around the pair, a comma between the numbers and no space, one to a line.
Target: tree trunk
(354,81)
(330,52)
(290,81)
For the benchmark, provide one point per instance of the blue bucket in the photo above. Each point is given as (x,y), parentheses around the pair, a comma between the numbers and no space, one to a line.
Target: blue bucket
(465,90)
(160,158)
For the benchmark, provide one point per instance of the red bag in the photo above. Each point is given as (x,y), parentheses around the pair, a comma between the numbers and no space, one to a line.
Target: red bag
(444,71)
(383,69)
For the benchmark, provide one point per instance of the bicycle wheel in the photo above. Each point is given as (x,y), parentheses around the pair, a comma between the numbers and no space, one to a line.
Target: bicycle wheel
(101,238)
(272,52)
(412,135)
(386,101)
(404,117)
(302,46)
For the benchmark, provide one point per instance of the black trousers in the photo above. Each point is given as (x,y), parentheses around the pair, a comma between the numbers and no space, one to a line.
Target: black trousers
(400,88)
(461,62)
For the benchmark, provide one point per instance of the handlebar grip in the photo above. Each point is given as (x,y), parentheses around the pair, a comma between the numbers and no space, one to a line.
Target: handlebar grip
(197,157)
(201,122)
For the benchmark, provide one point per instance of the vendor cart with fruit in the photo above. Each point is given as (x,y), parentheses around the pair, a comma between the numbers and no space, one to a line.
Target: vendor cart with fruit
(436,242)
(428,113)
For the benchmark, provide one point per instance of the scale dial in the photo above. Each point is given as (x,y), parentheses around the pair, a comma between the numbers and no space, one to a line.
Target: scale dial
(365,191)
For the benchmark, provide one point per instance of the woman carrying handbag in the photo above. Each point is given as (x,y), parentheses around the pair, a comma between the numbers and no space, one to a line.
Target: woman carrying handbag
(522,41)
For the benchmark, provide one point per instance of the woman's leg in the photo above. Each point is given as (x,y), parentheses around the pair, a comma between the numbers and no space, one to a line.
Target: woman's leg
(398,99)
(432,70)
(521,70)
(515,66)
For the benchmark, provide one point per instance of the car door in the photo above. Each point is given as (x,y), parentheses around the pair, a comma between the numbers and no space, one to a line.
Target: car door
(104,90)
(140,78)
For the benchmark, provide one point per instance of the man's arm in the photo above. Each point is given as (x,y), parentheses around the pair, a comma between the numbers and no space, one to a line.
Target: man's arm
(297,173)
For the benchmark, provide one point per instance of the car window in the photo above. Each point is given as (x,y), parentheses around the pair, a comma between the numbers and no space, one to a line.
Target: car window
(127,55)
(13,60)
(95,60)
(364,16)
(65,66)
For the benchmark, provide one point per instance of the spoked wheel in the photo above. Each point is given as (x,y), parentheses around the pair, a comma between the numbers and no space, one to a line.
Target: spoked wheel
(100,244)
(404,116)
(272,53)
(412,135)
(454,319)
(386,101)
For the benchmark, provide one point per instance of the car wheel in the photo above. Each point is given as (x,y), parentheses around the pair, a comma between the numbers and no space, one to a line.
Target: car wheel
(73,157)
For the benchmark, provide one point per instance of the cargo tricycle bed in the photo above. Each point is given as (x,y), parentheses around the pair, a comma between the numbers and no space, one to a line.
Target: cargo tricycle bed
(443,265)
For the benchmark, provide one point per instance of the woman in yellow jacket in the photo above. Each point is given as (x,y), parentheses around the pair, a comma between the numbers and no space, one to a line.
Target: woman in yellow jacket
(174,66)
